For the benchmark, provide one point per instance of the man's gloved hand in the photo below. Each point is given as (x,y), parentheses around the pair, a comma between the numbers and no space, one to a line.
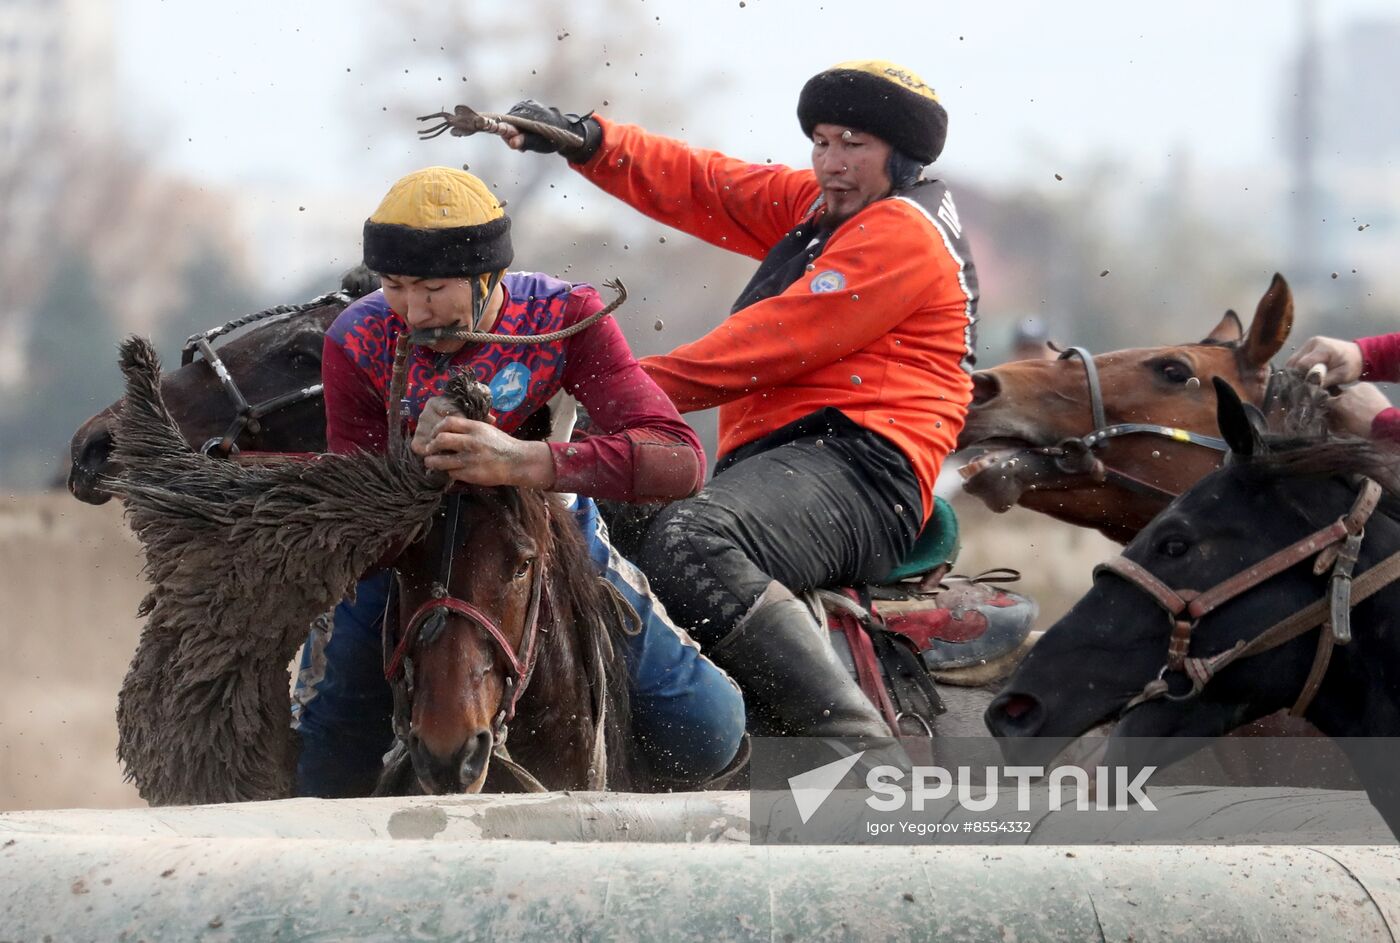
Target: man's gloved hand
(585,127)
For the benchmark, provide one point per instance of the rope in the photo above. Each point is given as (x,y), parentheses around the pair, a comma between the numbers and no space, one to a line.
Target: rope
(398,386)
(433,335)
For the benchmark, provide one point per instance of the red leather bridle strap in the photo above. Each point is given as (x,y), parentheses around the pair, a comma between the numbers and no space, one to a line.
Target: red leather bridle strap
(520,666)
(450,604)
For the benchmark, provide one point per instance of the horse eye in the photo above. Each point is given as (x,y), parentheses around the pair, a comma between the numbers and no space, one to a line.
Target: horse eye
(304,357)
(1173,547)
(524,568)
(1174,371)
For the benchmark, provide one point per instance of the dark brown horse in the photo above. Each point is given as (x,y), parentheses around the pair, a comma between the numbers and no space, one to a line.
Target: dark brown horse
(502,623)
(1272,582)
(259,392)
(1102,442)
(527,639)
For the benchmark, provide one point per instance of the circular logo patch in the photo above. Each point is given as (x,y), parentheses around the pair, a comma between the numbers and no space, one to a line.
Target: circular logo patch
(830,280)
(509,387)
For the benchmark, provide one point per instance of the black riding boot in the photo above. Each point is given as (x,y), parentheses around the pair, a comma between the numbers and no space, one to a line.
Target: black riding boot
(793,684)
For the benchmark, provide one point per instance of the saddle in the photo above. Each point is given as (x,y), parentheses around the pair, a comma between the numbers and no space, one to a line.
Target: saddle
(924,627)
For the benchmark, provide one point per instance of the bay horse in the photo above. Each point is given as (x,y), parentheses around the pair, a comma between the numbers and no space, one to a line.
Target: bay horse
(1107,441)
(258,392)
(502,618)
(501,622)
(1271,584)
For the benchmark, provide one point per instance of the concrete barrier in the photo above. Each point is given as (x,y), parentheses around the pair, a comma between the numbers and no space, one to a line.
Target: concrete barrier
(590,867)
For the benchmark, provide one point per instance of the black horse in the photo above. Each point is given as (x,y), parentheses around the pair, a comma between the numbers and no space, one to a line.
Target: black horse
(1236,602)
(259,392)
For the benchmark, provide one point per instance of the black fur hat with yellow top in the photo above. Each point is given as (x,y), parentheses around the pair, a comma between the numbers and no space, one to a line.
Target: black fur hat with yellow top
(438,223)
(879,98)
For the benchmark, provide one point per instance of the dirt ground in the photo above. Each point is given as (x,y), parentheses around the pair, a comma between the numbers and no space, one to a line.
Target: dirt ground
(70,583)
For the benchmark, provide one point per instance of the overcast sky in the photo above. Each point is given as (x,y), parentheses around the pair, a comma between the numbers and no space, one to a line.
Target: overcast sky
(233,92)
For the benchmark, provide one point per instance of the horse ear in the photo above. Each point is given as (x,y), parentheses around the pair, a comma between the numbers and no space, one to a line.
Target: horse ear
(1273,319)
(1236,426)
(1228,331)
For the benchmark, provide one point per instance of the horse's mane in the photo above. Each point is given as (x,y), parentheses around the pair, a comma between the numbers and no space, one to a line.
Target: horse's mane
(578,589)
(1321,456)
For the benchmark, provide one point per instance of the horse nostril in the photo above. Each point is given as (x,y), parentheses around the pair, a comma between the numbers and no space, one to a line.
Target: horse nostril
(1015,715)
(985,388)
(96,452)
(475,752)
(91,460)
(1017,705)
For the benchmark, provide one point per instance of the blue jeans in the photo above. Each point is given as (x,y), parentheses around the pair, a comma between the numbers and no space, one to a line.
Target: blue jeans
(687,716)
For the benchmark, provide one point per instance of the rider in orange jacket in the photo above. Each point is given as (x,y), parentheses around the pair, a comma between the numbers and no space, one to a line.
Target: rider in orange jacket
(840,373)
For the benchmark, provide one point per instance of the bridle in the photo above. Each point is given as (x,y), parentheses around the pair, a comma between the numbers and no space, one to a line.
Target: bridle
(1075,455)
(248,418)
(1336,547)
(427,624)
(429,620)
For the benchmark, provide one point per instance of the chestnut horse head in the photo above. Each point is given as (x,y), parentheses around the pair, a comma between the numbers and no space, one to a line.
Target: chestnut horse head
(1107,441)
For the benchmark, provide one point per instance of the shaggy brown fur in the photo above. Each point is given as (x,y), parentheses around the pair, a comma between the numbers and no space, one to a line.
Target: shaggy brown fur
(203,712)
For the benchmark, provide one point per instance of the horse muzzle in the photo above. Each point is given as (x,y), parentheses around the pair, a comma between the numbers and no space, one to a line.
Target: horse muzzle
(463,771)
(91,452)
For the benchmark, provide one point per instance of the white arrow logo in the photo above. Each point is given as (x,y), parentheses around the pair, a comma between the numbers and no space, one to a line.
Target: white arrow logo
(810,789)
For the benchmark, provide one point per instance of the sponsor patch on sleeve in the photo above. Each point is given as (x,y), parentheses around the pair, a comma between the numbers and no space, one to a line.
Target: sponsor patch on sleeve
(830,280)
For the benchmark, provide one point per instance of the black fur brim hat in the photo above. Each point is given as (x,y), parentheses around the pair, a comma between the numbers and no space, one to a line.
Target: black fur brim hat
(879,98)
(438,223)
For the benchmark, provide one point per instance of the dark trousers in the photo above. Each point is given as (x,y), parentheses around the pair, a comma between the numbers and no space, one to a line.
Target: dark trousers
(820,502)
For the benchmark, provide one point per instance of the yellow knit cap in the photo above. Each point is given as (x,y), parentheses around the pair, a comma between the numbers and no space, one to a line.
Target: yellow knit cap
(438,222)
(438,198)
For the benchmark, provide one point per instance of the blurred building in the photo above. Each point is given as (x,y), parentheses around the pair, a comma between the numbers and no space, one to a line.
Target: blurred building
(1360,161)
(1341,129)
(71,183)
(57,64)
(56,74)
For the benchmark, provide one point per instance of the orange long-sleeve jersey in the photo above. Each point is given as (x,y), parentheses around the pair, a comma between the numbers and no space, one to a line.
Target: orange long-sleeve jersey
(879,326)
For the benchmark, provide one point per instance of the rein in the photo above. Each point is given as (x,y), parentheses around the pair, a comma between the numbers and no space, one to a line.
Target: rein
(1336,547)
(430,618)
(248,418)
